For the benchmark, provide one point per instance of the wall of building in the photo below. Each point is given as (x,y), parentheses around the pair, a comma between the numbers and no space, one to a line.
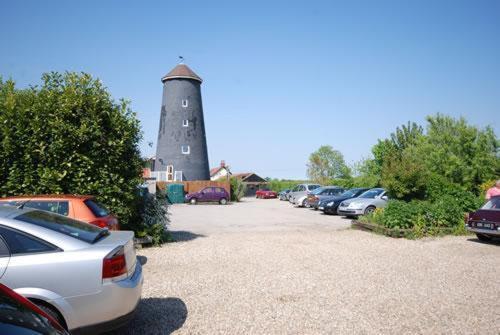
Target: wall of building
(172,135)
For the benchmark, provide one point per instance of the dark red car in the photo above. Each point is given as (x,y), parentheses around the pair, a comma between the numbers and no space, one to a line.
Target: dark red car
(19,316)
(208,194)
(266,194)
(485,222)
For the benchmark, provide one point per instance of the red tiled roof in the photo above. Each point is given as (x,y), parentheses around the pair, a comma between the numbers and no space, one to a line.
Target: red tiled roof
(181,71)
(215,170)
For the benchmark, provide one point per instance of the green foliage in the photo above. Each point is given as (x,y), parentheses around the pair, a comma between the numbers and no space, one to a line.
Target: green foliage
(155,217)
(459,152)
(326,164)
(70,136)
(238,189)
(422,218)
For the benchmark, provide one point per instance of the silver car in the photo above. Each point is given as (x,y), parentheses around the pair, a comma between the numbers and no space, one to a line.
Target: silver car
(86,277)
(298,196)
(364,204)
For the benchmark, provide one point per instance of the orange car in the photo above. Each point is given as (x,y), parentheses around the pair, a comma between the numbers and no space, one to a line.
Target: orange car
(79,207)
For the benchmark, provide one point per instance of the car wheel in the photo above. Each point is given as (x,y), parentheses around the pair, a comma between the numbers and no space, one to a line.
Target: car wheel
(52,313)
(193,201)
(369,210)
(483,238)
(223,201)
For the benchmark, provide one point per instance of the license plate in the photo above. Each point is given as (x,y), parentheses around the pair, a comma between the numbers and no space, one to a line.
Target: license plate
(484,225)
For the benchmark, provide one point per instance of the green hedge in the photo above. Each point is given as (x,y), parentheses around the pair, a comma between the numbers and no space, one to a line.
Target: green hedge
(426,218)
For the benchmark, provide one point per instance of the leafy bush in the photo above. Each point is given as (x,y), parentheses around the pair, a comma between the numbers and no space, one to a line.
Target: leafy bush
(238,189)
(155,217)
(423,217)
(69,136)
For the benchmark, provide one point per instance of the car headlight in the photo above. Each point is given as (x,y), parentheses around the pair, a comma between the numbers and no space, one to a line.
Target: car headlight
(330,203)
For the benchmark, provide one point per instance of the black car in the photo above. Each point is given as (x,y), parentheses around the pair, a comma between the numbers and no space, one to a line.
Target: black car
(330,205)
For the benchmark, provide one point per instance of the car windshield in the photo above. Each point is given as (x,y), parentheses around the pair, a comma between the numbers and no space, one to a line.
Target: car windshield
(64,225)
(312,187)
(318,190)
(493,204)
(349,193)
(371,194)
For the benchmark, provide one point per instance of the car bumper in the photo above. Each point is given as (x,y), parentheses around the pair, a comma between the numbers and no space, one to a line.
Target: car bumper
(109,309)
(350,211)
(329,209)
(491,232)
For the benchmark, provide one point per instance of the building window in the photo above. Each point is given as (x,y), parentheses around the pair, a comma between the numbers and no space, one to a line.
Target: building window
(170,172)
(185,149)
(185,103)
(185,123)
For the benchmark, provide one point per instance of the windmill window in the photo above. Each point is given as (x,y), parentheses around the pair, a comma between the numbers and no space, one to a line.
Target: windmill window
(185,123)
(185,103)
(185,149)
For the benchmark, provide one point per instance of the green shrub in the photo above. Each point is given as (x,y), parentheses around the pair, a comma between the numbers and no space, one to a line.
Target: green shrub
(238,189)
(155,217)
(423,217)
(68,135)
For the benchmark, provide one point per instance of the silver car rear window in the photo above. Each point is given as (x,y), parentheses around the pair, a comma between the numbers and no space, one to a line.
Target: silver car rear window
(64,225)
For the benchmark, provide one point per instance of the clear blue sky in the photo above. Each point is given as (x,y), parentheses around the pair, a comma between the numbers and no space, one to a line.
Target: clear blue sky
(280,79)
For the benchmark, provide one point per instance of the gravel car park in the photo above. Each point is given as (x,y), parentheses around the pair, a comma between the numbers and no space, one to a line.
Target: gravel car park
(264,267)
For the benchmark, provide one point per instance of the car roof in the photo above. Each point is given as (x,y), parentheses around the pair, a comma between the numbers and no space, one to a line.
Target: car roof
(8,216)
(48,197)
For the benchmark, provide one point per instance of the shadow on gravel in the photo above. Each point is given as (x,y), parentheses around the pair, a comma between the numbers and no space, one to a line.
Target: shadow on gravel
(184,236)
(157,316)
(494,241)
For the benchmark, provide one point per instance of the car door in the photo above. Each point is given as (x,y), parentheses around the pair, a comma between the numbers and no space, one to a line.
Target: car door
(4,256)
(211,194)
(28,255)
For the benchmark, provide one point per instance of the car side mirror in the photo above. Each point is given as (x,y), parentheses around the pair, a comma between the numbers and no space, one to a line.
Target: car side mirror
(384,197)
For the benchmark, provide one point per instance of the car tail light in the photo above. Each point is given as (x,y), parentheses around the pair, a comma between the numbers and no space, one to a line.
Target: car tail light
(111,224)
(103,223)
(114,264)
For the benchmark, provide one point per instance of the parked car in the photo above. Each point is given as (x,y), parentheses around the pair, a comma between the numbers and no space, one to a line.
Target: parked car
(364,204)
(266,194)
(320,193)
(85,277)
(485,222)
(283,195)
(19,316)
(299,194)
(329,205)
(208,194)
(79,207)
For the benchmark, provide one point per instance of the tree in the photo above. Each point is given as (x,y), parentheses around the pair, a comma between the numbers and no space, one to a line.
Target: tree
(461,153)
(326,164)
(70,136)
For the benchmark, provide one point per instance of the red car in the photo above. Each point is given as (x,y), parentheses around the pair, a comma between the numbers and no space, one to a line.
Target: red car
(19,316)
(485,222)
(266,194)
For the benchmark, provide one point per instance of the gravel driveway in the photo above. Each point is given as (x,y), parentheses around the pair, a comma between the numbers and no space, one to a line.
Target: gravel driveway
(264,267)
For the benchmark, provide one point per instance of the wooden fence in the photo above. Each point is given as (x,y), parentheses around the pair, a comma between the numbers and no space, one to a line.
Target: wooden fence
(196,185)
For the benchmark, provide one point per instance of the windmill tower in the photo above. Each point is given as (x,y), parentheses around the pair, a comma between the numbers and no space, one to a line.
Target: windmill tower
(182,146)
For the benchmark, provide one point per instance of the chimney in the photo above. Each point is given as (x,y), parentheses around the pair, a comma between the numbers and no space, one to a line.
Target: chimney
(222,163)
